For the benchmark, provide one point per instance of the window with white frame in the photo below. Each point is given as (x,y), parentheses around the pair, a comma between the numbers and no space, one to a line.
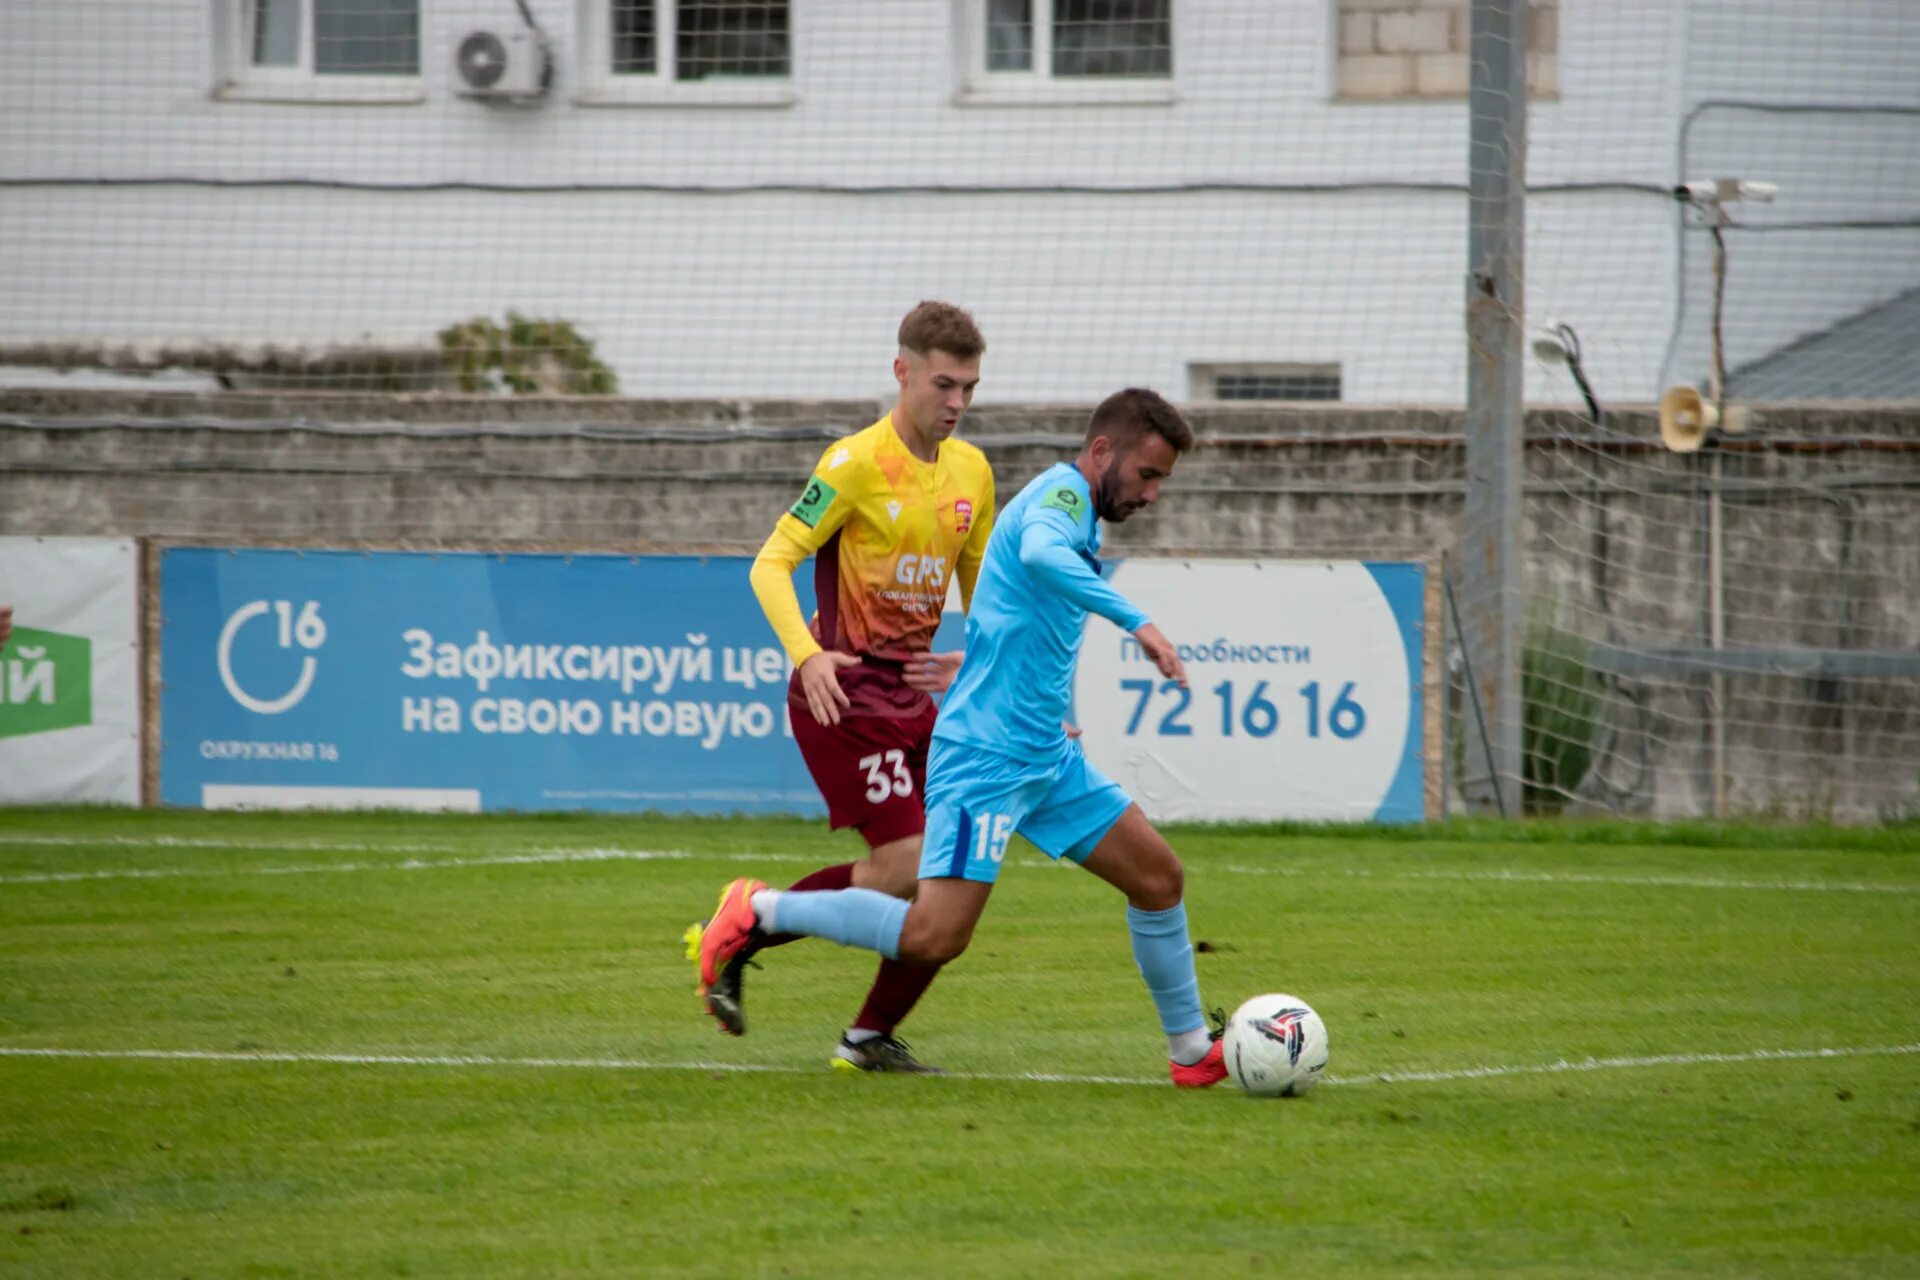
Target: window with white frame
(725,51)
(326,48)
(1071,51)
(1264,381)
(1076,38)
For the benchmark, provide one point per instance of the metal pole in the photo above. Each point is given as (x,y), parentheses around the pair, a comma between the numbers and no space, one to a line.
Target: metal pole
(1491,573)
(1447,640)
(1717,634)
(1716,537)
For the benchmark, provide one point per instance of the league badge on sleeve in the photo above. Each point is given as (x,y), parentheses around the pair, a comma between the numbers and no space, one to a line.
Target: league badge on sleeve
(814,502)
(1066,498)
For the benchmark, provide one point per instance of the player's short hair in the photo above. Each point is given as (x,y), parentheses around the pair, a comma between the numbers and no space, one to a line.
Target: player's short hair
(1126,416)
(941,326)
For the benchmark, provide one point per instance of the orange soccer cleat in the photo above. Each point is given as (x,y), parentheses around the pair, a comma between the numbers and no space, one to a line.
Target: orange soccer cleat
(728,931)
(1209,1071)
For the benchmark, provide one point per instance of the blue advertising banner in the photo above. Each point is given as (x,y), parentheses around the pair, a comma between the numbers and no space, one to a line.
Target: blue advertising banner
(1303,695)
(470,681)
(492,682)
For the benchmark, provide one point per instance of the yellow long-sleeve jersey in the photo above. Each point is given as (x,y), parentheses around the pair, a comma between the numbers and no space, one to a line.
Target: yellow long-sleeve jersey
(888,533)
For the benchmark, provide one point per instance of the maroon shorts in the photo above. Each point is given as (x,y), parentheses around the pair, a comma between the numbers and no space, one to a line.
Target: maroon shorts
(872,770)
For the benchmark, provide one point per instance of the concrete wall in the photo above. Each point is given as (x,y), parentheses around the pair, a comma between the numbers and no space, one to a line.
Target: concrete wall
(1822,520)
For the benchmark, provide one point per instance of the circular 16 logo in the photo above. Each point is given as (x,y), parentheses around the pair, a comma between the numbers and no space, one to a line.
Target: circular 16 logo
(307,630)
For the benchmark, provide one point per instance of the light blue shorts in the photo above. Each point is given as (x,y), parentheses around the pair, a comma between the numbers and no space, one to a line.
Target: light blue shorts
(977,799)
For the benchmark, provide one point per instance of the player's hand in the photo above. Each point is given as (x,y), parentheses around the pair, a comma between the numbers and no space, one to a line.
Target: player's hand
(1161,653)
(1073,730)
(932,672)
(820,681)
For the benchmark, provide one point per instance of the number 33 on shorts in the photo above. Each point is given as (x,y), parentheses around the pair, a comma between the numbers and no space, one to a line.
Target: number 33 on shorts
(879,785)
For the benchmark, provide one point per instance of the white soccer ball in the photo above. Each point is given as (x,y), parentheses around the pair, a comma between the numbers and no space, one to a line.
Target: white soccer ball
(1276,1046)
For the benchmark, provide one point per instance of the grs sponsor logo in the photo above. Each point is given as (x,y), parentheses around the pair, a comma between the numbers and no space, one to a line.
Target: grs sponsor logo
(920,571)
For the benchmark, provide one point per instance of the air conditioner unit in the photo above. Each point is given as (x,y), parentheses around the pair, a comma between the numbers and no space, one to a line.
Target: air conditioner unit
(503,66)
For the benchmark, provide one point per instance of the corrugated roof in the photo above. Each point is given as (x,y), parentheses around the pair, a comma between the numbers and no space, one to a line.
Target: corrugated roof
(1873,354)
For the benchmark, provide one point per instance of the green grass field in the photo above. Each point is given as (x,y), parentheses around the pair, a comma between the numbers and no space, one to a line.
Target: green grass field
(237,999)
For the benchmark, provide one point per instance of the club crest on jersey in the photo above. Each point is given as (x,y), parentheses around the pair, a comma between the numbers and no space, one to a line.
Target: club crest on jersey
(1284,1028)
(962,515)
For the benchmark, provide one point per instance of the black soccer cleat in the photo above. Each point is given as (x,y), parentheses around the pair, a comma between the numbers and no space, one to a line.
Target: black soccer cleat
(880,1053)
(726,998)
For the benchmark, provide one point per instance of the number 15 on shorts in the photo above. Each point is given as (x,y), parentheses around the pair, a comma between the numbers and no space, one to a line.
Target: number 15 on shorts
(990,835)
(879,784)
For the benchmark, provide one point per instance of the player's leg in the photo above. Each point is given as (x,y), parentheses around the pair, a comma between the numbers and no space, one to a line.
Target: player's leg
(894,867)
(932,929)
(870,1043)
(957,871)
(1136,859)
(891,868)
(938,927)
(871,771)
(1089,819)
(967,831)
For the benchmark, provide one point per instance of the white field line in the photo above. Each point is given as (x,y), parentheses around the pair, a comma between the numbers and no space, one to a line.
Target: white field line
(638,1064)
(317,868)
(559,855)
(180,842)
(1503,876)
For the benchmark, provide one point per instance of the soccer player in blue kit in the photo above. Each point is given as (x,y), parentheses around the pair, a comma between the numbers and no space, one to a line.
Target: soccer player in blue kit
(1003,759)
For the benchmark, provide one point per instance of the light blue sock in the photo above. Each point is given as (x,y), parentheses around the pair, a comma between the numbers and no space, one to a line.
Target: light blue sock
(850,917)
(1165,957)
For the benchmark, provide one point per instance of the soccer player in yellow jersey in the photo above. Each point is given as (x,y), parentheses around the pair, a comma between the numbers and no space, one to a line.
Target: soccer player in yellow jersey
(891,516)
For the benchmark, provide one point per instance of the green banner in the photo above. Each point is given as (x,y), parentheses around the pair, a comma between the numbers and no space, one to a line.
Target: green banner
(46,682)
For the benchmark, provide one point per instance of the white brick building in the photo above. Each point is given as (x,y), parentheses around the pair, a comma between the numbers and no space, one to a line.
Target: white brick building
(1272,186)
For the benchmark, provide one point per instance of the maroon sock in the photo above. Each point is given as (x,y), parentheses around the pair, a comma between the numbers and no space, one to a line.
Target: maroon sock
(896,989)
(840,877)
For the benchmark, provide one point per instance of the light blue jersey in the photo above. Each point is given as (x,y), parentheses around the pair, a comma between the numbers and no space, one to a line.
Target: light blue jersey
(1037,584)
(1001,761)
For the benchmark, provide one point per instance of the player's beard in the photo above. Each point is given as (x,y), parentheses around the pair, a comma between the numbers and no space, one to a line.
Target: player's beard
(1105,505)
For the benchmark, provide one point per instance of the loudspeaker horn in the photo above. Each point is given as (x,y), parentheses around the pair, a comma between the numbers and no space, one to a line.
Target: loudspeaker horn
(1685,419)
